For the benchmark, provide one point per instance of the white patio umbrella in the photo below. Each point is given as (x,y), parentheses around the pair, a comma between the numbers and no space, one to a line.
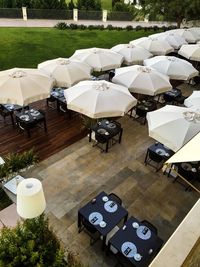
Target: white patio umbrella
(196,30)
(156,46)
(99,59)
(65,71)
(98,99)
(173,126)
(193,100)
(138,41)
(175,40)
(191,51)
(175,68)
(142,80)
(187,34)
(24,86)
(132,54)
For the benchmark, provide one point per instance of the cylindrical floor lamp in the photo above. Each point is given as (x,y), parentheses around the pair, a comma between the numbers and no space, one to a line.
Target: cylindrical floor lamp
(30,198)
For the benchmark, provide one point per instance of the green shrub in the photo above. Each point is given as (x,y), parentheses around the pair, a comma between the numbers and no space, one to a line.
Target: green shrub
(110,27)
(82,27)
(33,244)
(138,28)
(30,244)
(61,26)
(73,26)
(129,27)
(14,162)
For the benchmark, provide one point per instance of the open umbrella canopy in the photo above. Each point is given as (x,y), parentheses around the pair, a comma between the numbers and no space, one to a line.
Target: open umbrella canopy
(187,34)
(99,99)
(155,46)
(175,68)
(132,54)
(193,100)
(65,71)
(99,59)
(138,41)
(191,51)
(24,86)
(173,126)
(175,40)
(142,80)
(196,30)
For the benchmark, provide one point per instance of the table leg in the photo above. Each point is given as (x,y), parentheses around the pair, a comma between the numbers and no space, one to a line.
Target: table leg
(58,105)
(12,119)
(107,144)
(90,135)
(147,154)
(104,243)
(79,222)
(45,125)
(120,135)
(126,218)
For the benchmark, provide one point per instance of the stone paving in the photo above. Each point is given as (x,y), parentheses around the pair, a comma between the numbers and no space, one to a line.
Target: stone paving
(75,175)
(51,23)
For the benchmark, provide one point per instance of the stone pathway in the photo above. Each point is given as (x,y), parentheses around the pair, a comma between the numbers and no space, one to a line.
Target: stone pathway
(51,23)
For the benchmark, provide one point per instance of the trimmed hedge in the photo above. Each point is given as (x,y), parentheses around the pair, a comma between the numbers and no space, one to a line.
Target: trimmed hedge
(64,26)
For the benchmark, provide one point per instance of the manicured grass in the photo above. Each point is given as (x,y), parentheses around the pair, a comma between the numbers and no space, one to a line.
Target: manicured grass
(26,47)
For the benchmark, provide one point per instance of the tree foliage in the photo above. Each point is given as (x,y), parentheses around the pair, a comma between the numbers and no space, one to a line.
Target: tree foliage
(30,244)
(89,4)
(172,10)
(41,4)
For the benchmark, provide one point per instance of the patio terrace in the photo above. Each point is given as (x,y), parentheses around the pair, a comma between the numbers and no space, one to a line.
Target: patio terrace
(76,174)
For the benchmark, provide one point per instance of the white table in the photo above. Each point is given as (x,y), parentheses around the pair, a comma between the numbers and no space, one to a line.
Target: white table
(11,185)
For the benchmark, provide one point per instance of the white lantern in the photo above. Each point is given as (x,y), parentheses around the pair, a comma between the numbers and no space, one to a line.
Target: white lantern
(30,198)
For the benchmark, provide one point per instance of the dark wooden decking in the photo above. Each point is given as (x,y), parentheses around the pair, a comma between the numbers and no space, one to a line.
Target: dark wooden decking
(61,133)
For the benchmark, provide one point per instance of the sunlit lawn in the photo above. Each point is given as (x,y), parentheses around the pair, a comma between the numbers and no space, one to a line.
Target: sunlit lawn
(26,47)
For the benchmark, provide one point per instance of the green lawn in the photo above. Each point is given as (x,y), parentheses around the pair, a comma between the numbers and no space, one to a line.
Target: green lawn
(26,47)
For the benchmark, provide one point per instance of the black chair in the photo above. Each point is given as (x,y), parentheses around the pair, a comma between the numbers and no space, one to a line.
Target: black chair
(168,99)
(90,230)
(188,175)
(157,159)
(150,226)
(141,115)
(5,113)
(51,102)
(115,198)
(100,142)
(180,100)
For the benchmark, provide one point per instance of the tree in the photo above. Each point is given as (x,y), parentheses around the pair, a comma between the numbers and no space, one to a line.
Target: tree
(30,244)
(89,4)
(71,5)
(172,10)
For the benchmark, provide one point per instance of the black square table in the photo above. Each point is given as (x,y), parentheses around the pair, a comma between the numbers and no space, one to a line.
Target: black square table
(28,119)
(9,109)
(143,107)
(58,95)
(135,240)
(107,129)
(161,150)
(172,95)
(112,218)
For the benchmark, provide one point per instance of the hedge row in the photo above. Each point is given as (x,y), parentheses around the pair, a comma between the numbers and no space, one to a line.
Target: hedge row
(73,26)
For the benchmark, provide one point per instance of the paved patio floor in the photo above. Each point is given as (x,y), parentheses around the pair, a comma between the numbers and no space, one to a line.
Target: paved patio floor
(75,175)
